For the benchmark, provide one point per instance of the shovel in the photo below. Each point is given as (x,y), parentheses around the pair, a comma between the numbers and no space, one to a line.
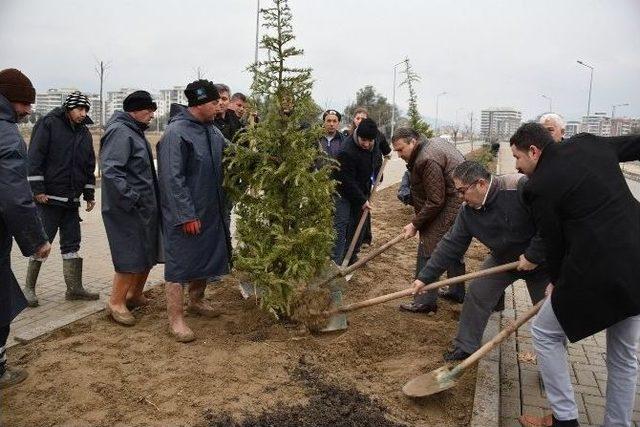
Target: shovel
(444,378)
(434,285)
(333,276)
(363,217)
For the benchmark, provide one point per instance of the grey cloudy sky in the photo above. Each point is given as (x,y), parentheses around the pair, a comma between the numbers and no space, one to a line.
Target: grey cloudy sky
(483,53)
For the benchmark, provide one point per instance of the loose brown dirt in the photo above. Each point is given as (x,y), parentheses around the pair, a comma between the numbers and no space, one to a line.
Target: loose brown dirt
(245,368)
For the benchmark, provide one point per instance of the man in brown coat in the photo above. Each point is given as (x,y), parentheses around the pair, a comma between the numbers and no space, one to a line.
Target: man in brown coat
(435,202)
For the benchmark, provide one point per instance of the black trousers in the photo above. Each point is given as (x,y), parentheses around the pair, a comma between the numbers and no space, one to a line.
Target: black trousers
(67,220)
(4,334)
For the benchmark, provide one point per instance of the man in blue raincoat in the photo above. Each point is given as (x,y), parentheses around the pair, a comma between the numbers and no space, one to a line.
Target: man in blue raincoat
(18,214)
(196,240)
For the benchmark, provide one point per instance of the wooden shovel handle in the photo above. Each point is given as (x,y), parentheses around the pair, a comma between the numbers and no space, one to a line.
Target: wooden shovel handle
(495,341)
(374,253)
(434,285)
(364,215)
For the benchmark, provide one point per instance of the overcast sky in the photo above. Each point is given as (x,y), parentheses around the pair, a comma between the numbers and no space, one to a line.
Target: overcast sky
(484,53)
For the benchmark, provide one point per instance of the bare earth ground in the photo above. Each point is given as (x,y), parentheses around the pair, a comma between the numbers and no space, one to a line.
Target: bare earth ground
(245,368)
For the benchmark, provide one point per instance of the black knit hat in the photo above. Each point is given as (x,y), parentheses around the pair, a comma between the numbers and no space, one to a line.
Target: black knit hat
(16,87)
(367,129)
(332,112)
(76,99)
(200,92)
(139,100)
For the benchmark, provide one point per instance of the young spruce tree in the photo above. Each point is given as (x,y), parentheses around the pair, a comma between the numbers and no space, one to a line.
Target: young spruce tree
(283,201)
(415,119)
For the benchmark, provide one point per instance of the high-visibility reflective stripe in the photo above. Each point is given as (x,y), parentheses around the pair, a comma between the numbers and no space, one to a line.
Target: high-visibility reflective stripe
(89,186)
(35,178)
(60,199)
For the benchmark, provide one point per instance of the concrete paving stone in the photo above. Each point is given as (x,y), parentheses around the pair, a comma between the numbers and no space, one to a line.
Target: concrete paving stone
(580,402)
(596,360)
(509,422)
(585,377)
(586,389)
(534,400)
(595,414)
(578,359)
(593,400)
(535,410)
(636,416)
(589,367)
(600,375)
(529,378)
(511,407)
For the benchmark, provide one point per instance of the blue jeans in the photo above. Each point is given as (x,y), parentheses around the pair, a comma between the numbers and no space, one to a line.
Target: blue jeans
(345,222)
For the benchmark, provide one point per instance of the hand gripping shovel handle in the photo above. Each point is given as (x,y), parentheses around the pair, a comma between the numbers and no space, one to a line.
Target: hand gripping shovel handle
(356,265)
(434,285)
(363,217)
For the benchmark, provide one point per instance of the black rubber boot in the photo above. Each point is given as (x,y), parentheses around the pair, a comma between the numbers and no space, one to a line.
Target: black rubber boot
(72,270)
(33,269)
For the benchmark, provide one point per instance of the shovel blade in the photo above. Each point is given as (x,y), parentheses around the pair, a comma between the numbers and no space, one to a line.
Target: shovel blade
(433,382)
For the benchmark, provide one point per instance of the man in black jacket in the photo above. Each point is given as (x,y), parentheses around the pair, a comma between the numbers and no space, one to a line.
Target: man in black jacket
(226,119)
(357,162)
(61,168)
(590,223)
(18,214)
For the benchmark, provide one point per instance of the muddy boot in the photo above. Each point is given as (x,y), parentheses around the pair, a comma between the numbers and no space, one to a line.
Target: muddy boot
(12,376)
(72,270)
(30,283)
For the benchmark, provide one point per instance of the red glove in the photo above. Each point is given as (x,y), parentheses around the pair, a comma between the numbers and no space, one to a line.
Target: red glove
(192,227)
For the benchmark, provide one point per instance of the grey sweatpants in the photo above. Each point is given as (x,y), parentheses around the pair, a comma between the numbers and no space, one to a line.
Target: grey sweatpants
(482,296)
(622,367)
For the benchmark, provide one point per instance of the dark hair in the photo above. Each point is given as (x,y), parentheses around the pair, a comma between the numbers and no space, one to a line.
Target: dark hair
(241,96)
(531,133)
(222,88)
(404,133)
(470,171)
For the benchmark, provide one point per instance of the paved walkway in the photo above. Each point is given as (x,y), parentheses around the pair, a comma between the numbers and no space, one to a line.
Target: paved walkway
(54,311)
(521,390)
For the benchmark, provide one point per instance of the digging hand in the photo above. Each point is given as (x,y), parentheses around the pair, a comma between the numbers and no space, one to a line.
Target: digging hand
(43,251)
(410,230)
(417,286)
(41,198)
(525,265)
(366,206)
(90,205)
(549,290)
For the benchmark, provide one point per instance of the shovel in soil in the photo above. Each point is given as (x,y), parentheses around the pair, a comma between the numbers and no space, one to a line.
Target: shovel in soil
(444,378)
(434,285)
(363,218)
(334,277)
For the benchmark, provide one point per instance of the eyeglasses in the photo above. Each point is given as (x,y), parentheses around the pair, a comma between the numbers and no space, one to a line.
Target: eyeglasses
(463,190)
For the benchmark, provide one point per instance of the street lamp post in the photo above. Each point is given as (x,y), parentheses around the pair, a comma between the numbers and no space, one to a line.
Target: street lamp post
(393,102)
(613,109)
(437,101)
(590,85)
(550,102)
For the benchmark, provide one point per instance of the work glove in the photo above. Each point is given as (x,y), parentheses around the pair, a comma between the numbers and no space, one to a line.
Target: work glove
(192,227)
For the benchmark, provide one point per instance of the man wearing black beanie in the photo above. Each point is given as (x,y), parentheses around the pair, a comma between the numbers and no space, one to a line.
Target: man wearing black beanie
(357,164)
(196,239)
(130,203)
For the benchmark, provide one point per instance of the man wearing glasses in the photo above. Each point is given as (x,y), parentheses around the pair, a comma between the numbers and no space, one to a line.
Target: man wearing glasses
(493,212)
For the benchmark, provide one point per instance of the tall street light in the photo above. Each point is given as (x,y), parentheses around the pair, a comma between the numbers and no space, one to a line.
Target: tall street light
(590,85)
(393,110)
(613,109)
(550,102)
(437,100)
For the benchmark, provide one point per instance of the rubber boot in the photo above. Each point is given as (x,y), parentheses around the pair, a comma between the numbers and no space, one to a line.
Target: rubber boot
(72,271)
(33,269)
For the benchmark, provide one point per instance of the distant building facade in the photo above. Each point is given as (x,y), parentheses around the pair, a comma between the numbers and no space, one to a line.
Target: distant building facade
(499,123)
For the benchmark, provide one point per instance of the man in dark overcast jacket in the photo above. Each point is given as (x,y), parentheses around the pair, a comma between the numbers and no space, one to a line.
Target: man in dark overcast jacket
(18,214)
(357,162)
(590,223)
(61,168)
